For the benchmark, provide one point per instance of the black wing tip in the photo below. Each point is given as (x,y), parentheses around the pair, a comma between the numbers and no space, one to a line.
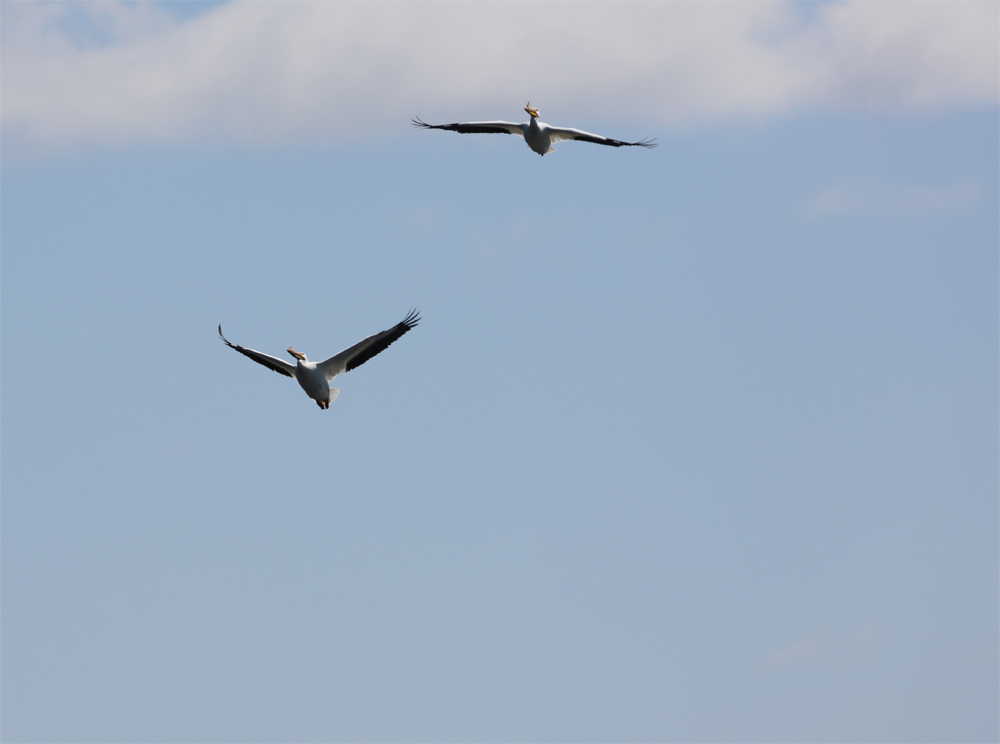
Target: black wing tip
(412,319)
(389,337)
(647,143)
(417,122)
(224,339)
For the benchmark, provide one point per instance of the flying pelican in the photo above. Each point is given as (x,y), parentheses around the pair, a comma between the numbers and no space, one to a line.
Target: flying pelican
(539,136)
(314,377)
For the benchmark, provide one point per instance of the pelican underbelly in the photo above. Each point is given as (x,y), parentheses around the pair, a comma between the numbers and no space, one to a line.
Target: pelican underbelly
(538,138)
(312,381)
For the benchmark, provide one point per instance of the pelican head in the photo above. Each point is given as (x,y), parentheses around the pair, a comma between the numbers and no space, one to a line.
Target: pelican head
(298,355)
(531,111)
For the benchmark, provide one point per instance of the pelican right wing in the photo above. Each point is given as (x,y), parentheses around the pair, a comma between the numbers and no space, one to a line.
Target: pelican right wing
(361,352)
(475,127)
(561,134)
(278,365)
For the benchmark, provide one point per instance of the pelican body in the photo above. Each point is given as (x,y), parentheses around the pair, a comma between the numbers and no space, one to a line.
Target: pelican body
(313,380)
(314,377)
(537,135)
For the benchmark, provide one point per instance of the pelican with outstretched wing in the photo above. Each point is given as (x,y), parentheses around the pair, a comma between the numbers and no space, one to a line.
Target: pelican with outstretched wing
(314,377)
(537,135)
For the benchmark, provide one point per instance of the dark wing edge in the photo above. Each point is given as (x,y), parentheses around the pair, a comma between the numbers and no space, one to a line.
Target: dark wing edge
(388,337)
(262,359)
(460,128)
(648,143)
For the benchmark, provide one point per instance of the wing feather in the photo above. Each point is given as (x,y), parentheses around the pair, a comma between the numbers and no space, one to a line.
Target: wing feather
(361,352)
(475,127)
(561,134)
(278,365)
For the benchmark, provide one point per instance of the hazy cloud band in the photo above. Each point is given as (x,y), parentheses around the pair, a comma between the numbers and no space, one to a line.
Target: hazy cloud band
(269,72)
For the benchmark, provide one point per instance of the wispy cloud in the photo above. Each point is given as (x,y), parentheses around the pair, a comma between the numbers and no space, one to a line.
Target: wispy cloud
(804,651)
(871,197)
(867,634)
(277,72)
(420,220)
(813,650)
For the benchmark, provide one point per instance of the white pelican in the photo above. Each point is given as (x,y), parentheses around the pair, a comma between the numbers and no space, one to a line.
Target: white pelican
(539,136)
(314,377)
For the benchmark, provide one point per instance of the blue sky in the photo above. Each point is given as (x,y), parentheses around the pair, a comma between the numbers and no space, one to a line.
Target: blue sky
(692,444)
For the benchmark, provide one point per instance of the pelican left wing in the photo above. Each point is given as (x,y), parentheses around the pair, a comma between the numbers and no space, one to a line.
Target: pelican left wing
(278,365)
(559,134)
(475,127)
(362,351)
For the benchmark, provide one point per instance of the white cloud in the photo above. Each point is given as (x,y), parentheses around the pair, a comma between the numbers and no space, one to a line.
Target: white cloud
(276,72)
(872,197)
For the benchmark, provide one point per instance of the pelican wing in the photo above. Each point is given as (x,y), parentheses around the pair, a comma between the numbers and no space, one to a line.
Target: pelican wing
(278,365)
(475,127)
(560,134)
(362,351)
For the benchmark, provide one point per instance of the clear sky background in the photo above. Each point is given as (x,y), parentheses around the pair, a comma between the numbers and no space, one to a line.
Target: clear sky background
(692,444)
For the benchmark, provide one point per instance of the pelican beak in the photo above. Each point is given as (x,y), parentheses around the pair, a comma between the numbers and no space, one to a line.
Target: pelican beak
(531,111)
(297,355)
